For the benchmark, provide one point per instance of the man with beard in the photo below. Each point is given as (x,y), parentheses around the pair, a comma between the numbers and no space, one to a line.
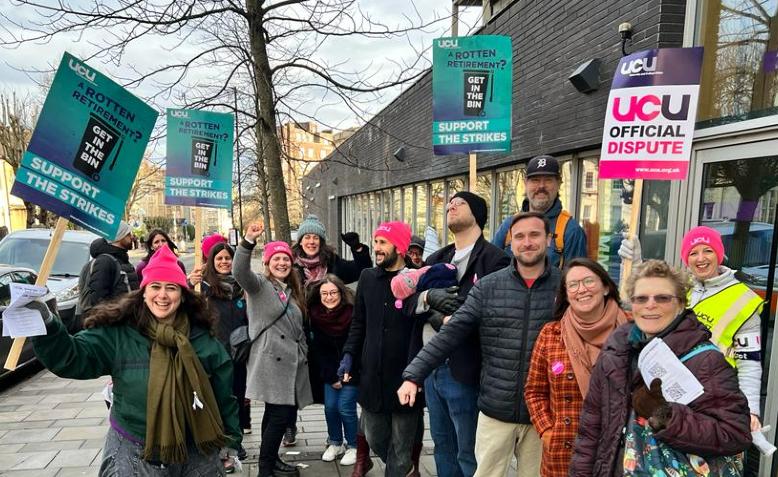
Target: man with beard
(508,308)
(542,184)
(451,390)
(380,343)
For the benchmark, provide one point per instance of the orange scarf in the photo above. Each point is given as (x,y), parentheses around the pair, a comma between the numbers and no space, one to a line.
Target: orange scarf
(585,340)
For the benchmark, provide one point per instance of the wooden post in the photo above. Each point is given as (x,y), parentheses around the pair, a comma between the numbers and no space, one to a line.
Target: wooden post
(198,243)
(43,276)
(473,171)
(634,223)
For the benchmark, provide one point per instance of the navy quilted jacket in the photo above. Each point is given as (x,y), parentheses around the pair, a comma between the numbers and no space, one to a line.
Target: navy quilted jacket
(508,316)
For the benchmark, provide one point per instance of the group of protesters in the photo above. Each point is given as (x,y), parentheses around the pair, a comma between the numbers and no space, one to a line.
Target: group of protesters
(519,347)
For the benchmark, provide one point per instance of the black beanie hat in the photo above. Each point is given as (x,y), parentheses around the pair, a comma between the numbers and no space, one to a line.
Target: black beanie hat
(477,206)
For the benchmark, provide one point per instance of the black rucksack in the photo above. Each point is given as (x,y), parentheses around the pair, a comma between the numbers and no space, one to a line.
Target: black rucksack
(86,298)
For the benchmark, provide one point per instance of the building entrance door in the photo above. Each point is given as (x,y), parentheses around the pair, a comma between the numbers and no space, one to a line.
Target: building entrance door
(734,189)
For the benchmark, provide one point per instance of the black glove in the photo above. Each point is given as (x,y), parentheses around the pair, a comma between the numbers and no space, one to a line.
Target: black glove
(435,320)
(444,300)
(351,239)
(48,316)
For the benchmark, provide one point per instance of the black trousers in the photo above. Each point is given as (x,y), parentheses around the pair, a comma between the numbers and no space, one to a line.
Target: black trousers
(274,423)
(239,390)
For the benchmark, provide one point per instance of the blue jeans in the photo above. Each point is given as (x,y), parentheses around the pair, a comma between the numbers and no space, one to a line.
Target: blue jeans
(453,411)
(340,411)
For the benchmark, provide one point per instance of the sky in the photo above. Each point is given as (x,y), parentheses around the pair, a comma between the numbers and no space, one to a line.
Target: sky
(377,58)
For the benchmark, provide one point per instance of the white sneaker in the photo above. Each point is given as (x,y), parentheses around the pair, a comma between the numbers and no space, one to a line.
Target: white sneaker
(332,453)
(349,458)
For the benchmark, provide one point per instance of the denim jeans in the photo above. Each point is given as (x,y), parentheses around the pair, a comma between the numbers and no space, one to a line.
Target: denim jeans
(390,435)
(453,411)
(340,411)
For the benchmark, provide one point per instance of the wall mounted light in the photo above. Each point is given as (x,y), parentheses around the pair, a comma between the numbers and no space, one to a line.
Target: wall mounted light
(400,154)
(586,78)
(625,30)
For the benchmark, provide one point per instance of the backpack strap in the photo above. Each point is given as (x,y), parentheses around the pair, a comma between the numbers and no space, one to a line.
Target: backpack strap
(559,235)
(700,348)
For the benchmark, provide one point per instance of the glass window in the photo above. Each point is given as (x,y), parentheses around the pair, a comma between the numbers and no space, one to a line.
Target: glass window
(653,217)
(421,209)
(438,209)
(603,215)
(565,194)
(408,215)
(741,59)
(454,185)
(5,289)
(510,193)
(397,210)
(484,189)
(386,206)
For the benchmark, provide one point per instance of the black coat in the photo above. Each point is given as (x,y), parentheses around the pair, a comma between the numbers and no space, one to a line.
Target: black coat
(230,313)
(465,361)
(326,348)
(509,317)
(380,340)
(104,280)
(346,270)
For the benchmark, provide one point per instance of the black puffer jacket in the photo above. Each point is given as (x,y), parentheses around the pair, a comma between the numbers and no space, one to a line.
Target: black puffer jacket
(716,423)
(465,361)
(508,316)
(104,282)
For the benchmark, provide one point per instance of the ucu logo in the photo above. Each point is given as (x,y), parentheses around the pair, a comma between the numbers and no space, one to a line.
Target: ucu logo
(82,70)
(384,228)
(700,240)
(639,65)
(177,113)
(648,107)
(448,43)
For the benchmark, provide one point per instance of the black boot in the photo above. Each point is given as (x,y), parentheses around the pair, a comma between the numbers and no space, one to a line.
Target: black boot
(282,469)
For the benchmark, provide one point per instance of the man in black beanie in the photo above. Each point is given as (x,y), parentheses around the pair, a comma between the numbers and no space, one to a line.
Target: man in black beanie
(451,391)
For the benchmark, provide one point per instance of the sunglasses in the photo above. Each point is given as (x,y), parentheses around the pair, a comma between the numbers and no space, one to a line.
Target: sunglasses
(658,299)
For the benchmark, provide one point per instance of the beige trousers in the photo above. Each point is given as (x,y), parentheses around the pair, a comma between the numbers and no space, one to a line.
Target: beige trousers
(495,441)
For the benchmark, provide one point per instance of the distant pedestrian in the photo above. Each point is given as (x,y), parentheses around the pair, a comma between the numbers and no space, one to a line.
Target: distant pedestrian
(415,259)
(173,407)
(278,363)
(156,239)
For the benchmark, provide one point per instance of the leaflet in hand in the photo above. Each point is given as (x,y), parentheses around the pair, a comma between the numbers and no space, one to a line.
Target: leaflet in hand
(20,321)
(679,385)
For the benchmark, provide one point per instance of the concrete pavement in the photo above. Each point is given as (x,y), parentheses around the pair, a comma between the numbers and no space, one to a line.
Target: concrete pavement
(51,426)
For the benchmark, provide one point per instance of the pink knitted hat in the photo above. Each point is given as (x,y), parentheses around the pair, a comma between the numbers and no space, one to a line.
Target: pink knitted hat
(273,248)
(397,233)
(163,267)
(700,236)
(209,242)
(404,283)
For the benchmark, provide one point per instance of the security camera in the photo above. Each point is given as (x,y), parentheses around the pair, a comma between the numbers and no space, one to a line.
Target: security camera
(625,30)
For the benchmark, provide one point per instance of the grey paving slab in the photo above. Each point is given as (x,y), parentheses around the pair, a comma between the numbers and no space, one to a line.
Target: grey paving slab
(93,411)
(78,472)
(34,460)
(27,425)
(74,458)
(13,416)
(9,407)
(89,421)
(66,397)
(52,446)
(93,443)
(52,414)
(10,448)
(14,399)
(23,436)
(82,405)
(80,433)
(30,473)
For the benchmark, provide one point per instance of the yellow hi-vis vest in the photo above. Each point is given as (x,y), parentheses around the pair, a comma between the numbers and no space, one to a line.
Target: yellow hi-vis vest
(723,313)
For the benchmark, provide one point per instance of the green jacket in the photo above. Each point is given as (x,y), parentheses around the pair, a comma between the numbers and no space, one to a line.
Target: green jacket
(122,352)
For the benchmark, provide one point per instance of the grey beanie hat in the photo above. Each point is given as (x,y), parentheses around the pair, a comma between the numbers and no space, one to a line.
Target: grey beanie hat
(123,231)
(311,225)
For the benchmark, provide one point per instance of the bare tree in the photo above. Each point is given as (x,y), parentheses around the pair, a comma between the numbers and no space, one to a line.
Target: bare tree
(149,180)
(273,51)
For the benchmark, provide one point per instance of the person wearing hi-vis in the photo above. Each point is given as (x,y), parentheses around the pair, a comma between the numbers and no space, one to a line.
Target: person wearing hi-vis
(726,306)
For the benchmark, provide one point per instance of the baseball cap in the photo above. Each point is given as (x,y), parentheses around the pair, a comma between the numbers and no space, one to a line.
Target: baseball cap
(543,165)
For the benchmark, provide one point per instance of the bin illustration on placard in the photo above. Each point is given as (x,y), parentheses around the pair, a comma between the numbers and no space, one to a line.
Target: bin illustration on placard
(98,144)
(202,152)
(476,84)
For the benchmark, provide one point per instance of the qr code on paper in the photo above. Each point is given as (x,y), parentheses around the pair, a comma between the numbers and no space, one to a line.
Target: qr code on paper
(657,371)
(673,392)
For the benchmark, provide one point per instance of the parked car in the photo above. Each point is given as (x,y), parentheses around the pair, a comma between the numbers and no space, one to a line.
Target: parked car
(26,248)
(8,275)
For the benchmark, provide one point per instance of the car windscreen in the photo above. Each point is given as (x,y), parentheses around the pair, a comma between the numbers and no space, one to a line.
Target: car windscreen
(29,253)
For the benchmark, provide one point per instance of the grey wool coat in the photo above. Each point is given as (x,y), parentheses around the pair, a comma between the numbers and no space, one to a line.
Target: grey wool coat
(278,363)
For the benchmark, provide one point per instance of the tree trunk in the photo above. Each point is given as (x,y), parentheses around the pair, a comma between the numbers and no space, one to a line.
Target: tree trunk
(30,208)
(266,125)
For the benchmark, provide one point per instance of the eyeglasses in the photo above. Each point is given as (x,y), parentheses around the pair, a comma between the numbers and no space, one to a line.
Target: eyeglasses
(332,293)
(588,283)
(658,299)
(458,202)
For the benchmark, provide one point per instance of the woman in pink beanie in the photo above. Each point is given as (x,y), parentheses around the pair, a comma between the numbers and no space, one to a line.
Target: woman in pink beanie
(727,307)
(278,363)
(173,408)
(157,238)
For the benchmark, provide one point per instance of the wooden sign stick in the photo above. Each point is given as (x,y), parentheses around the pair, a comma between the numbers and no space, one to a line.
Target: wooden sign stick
(43,276)
(634,222)
(198,244)
(473,171)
